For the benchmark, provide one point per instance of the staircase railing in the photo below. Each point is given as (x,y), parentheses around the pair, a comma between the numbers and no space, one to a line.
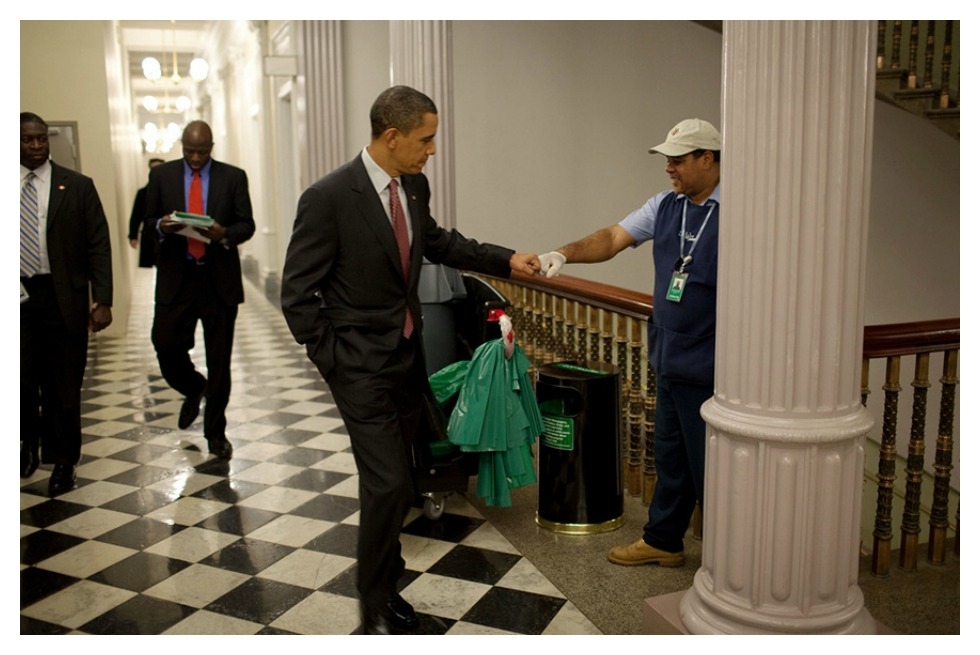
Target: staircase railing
(914,74)
(568,318)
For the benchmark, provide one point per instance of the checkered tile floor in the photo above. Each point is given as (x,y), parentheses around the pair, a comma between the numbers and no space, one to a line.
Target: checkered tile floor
(158,537)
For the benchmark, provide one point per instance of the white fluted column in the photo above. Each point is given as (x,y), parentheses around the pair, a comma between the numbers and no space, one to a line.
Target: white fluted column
(321,108)
(786,426)
(421,57)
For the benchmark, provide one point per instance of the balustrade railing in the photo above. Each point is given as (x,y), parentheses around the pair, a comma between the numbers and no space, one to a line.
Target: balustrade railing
(568,318)
(921,75)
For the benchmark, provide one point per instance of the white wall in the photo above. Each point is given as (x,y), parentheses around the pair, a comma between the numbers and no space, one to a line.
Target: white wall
(63,78)
(554,120)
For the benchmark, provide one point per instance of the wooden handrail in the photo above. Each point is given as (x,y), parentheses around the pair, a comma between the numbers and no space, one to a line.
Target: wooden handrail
(603,296)
(911,338)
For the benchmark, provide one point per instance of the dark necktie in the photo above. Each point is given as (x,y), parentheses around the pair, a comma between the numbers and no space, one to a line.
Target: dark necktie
(195,205)
(30,241)
(401,236)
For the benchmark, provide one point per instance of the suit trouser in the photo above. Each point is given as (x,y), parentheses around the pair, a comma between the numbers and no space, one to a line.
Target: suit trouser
(174,326)
(52,367)
(381,412)
(679,437)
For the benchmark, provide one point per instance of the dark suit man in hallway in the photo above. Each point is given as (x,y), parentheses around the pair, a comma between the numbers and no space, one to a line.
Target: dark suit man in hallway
(198,280)
(350,295)
(66,290)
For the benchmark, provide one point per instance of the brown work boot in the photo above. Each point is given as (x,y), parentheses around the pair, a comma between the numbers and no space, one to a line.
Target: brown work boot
(643,553)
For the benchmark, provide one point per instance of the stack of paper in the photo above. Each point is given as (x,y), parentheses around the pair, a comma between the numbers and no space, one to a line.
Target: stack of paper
(194,220)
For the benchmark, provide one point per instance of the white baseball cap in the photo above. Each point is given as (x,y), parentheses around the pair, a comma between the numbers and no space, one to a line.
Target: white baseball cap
(689,135)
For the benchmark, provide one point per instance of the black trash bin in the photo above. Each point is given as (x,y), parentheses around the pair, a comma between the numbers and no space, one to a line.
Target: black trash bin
(440,290)
(580,478)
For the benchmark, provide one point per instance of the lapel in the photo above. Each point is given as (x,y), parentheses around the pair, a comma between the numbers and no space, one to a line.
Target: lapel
(373,213)
(56,194)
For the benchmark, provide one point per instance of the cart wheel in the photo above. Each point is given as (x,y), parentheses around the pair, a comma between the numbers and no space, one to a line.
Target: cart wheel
(434,507)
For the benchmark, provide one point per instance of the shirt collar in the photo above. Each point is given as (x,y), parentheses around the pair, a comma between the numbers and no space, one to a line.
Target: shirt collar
(715,196)
(205,170)
(43,172)
(379,178)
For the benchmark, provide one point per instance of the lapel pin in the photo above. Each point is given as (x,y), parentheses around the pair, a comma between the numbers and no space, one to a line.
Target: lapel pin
(61,187)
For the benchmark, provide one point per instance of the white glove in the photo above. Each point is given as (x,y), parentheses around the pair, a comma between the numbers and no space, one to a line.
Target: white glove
(551,263)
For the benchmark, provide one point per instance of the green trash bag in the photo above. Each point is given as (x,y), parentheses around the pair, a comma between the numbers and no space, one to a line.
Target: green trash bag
(497,415)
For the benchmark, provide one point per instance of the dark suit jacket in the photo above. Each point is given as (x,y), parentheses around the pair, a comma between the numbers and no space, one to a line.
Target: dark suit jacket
(343,292)
(228,203)
(147,240)
(79,249)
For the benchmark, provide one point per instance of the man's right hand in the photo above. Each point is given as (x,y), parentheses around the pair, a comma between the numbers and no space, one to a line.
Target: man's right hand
(551,263)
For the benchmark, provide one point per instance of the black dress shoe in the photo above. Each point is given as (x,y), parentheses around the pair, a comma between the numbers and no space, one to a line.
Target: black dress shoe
(28,461)
(220,447)
(190,409)
(62,479)
(401,613)
(375,623)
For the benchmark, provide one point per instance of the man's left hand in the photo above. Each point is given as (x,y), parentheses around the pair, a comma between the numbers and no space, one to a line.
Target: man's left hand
(100,318)
(216,232)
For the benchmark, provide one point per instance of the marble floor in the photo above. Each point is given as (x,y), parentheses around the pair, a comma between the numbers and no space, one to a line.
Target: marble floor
(158,537)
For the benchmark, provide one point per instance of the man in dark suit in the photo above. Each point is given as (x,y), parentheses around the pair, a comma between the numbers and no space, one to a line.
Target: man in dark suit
(145,242)
(350,295)
(65,254)
(198,280)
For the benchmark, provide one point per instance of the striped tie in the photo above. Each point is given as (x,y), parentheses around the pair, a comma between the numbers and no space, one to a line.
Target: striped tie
(30,242)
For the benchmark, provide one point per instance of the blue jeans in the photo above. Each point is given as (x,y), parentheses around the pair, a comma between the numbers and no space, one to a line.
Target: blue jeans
(679,434)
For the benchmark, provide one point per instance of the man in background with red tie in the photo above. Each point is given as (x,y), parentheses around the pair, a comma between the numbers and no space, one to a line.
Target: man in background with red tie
(199,277)
(350,295)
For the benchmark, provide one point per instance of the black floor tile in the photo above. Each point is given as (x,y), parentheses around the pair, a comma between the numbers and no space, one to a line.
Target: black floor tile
(328,507)
(140,502)
(39,546)
(140,615)
(249,556)
(475,564)
(140,533)
(259,600)
(238,520)
(451,527)
(338,540)
(314,480)
(36,584)
(50,512)
(514,611)
(29,626)
(139,572)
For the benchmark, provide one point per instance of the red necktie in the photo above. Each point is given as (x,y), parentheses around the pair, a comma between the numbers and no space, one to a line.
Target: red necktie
(401,236)
(195,205)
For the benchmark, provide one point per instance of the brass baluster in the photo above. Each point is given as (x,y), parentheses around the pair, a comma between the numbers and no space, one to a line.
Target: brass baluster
(930,54)
(946,66)
(547,329)
(607,340)
(594,333)
(880,59)
(913,54)
(571,352)
(881,554)
(649,440)
(634,452)
(909,549)
(939,514)
(896,43)
(622,340)
(583,329)
(865,381)
(561,307)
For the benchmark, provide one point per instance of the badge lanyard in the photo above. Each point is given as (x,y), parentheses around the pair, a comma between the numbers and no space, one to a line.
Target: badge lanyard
(679,279)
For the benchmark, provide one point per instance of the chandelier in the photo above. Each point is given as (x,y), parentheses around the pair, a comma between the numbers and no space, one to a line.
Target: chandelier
(157,138)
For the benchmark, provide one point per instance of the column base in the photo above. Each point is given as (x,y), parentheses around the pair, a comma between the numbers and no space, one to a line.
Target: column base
(661,615)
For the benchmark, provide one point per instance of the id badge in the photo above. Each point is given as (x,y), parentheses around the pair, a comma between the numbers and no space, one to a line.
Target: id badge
(676,288)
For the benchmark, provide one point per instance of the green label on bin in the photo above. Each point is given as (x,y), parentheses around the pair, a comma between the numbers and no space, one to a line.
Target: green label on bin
(559,432)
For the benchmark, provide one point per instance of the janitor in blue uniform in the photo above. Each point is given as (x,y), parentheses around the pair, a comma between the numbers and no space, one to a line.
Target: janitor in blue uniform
(683,225)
